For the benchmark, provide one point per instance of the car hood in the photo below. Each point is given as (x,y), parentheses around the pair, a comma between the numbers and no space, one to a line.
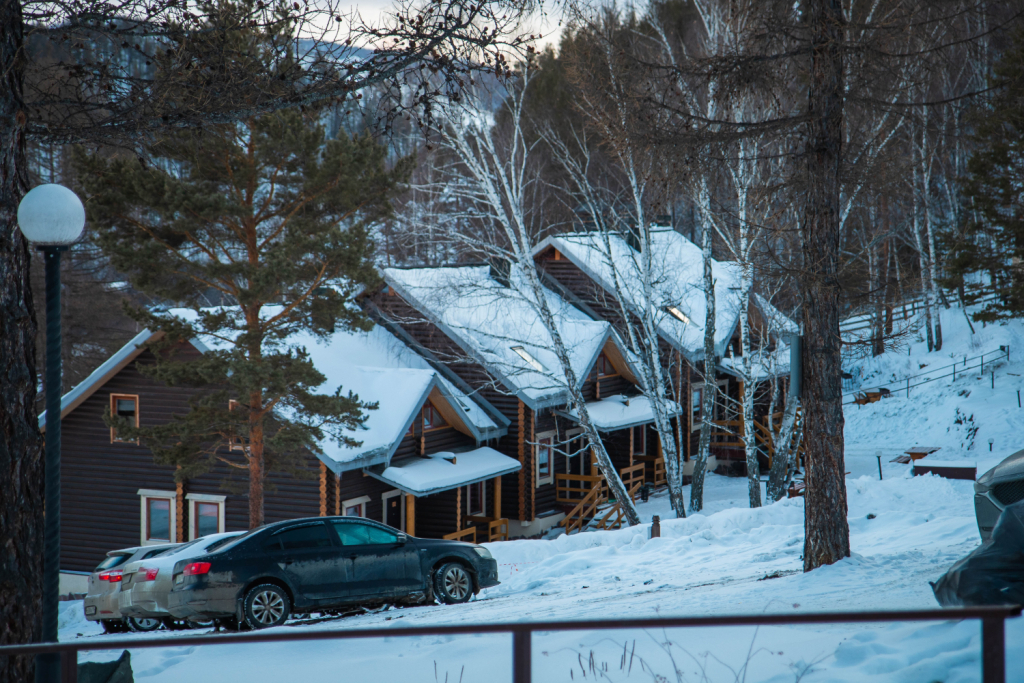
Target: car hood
(442,543)
(1010,468)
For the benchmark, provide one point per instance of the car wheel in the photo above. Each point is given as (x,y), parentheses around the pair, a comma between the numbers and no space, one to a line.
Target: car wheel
(143,624)
(114,625)
(266,605)
(453,584)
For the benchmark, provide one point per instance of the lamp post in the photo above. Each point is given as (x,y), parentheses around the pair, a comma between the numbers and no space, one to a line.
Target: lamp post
(52,218)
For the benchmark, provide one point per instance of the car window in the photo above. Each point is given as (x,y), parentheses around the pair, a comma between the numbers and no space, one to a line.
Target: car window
(356,533)
(112,561)
(235,540)
(300,537)
(219,543)
(158,552)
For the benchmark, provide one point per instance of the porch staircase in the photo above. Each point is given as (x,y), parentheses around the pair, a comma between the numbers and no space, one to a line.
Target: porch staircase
(589,494)
(729,434)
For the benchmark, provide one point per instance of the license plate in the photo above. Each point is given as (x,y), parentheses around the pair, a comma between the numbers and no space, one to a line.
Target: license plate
(180,578)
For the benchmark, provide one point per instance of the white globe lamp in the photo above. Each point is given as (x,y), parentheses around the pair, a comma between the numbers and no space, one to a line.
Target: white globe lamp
(52,218)
(51,215)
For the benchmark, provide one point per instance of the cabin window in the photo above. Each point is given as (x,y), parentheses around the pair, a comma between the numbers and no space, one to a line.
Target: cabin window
(696,406)
(476,499)
(125,406)
(432,418)
(158,516)
(604,366)
(355,507)
(545,450)
(206,515)
(640,440)
(575,452)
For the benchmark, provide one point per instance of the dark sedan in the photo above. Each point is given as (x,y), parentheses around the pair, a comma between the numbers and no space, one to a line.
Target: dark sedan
(325,564)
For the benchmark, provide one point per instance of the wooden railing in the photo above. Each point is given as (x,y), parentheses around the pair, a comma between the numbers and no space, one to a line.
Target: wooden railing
(765,430)
(571,488)
(730,435)
(586,508)
(468,532)
(660,479)
(497,529)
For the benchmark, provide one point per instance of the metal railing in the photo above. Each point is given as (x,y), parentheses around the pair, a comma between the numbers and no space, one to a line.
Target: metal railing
(993,634)
(904,383)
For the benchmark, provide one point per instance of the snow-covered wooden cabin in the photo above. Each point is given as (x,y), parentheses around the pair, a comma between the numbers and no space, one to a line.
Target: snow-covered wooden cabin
(423,463)
(584,267)
(484,335)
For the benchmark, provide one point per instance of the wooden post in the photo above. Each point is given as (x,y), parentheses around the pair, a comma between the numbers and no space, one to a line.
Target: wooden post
(497,498)
(458,509)
(533,466)
(179,512)
(522,460)
(410,514)
(631,430)
(323,489)
(337,494)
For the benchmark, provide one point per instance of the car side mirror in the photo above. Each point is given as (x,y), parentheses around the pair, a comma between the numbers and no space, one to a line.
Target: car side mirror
(403,537)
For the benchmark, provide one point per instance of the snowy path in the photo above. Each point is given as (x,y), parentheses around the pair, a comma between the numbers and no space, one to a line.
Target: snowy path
(708,564)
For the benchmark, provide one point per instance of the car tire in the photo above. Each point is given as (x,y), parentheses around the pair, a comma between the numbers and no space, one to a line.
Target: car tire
(172,624)
(453,584)
(265,606)
(144,624)
(114,625)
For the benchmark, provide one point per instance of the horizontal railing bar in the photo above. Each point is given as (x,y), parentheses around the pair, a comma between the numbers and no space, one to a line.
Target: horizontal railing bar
(951,614)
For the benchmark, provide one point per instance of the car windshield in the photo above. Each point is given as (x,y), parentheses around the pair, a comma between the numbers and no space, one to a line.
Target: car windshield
(159,552)
(180,548)
(112,561)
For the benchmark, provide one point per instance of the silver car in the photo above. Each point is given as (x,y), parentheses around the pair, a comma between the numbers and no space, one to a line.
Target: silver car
(145,584)
(100,602)
(1001,486)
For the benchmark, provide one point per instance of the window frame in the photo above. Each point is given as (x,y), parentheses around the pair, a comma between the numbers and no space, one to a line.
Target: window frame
(607,361)
(145,495)
(550,478)
(483,499)
(236,443)
(113,413)
(193,499)
(643,432)
(696,423)
(385,498)
(361,502)
(433,411)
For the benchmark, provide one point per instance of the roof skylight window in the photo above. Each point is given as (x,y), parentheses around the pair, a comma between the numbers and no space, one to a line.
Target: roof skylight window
(529,359)
(679,314)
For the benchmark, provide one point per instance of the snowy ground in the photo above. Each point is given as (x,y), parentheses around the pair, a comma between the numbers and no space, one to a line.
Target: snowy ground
(730,559)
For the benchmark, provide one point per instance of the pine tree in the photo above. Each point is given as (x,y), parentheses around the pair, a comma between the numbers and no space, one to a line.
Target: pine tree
(270,221)
(992,241)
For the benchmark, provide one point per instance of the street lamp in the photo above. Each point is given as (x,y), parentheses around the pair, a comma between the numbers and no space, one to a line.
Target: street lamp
(52,218)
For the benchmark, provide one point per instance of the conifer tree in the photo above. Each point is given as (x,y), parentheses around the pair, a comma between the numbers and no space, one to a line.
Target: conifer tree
(992,241)
(270,221)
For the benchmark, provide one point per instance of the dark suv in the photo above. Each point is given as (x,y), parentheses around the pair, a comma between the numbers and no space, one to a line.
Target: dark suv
(324,564)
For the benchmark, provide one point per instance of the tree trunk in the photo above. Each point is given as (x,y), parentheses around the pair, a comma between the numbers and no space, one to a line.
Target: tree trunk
(827,530)
(784,453)
(256,474)
(21,462)
(708,398)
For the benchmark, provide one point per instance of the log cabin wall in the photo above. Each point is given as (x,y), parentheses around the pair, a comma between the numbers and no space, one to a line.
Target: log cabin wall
(515,499)
(100,479)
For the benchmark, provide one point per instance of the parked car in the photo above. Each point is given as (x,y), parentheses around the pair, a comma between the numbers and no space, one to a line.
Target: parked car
(100,602)
(1001,486)
(325,564)
(146,583)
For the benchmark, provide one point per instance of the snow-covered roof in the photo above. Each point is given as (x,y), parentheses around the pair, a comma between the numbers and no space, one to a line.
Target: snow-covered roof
(678,273)
(443,471)
(621,412)
(497,326)
(374,365)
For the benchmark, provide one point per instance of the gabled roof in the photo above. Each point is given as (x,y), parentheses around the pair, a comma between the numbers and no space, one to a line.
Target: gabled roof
(498,327)
(678,281)
(374,365)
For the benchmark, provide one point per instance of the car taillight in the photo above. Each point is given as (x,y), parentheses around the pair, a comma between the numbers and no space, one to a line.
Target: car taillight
(112,576)
(197,568)
(146,574)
